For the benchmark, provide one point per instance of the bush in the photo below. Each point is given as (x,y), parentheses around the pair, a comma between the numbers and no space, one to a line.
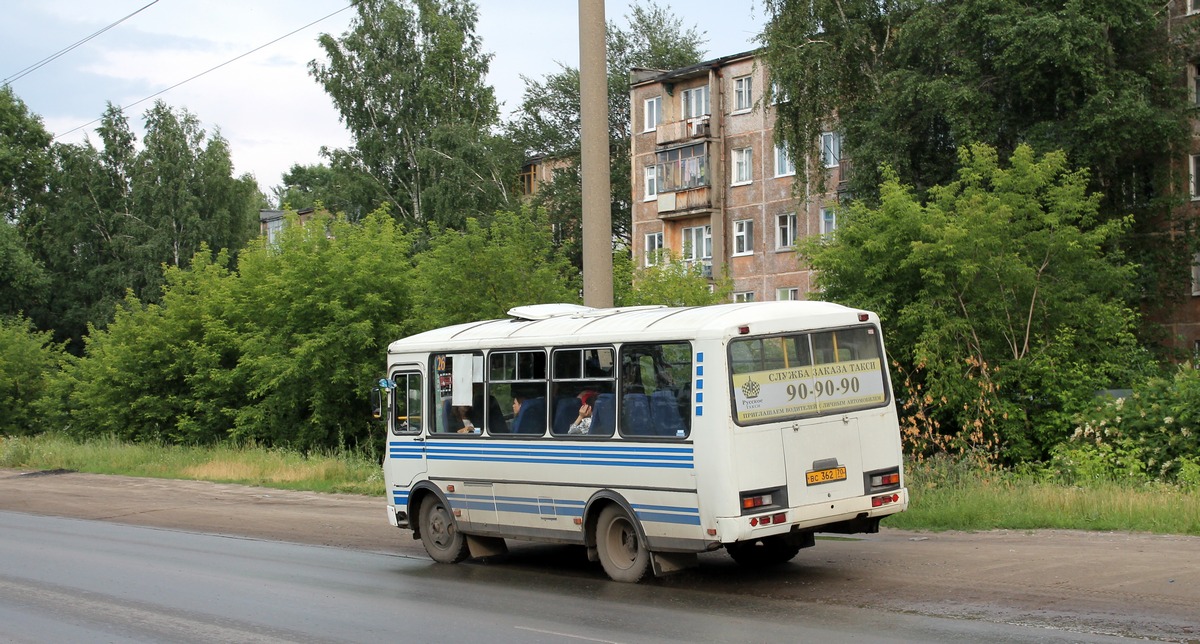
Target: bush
(1154,434)
(28,362)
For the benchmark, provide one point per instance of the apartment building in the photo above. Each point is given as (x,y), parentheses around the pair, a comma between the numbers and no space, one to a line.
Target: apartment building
(712,186)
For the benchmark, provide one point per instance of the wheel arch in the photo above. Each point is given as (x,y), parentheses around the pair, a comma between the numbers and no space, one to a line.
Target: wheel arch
(422,492)
(591,516)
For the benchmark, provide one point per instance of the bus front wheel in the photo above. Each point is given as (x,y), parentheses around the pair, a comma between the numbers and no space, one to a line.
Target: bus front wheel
(439,533)
(768,551)
(620,549)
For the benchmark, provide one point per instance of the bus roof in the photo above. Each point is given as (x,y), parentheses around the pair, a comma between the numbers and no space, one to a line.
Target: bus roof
(569,324)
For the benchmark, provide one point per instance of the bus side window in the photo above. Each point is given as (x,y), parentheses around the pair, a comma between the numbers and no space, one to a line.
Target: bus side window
(656,385)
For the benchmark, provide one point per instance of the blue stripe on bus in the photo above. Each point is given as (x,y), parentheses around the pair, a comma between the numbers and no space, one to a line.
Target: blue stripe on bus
(575,461)
(640,456)
(565,508)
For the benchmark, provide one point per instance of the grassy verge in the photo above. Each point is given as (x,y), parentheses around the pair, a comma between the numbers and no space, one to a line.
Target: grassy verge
(946,495)
(346,472)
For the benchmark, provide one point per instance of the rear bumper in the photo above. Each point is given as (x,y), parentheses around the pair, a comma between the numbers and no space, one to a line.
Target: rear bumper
(854,514)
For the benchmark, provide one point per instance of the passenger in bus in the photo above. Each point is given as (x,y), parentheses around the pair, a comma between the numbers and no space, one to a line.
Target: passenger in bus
(583,422)
(461,420)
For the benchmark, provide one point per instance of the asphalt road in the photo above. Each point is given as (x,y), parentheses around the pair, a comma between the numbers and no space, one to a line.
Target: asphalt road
(70,580)
(1072,585)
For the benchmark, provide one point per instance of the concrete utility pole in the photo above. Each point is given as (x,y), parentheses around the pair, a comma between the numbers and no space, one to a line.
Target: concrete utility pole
(597,187)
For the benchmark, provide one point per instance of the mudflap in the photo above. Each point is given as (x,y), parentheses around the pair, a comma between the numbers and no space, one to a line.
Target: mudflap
(486,546)
(665,563)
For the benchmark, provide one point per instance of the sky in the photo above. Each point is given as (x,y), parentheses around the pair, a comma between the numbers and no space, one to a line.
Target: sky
(265,104)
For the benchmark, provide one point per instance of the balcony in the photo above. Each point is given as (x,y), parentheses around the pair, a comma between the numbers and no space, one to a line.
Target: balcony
(677,131)
(684,203)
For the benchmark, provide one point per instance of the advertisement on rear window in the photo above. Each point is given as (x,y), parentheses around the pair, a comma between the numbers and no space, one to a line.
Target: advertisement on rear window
(777,394)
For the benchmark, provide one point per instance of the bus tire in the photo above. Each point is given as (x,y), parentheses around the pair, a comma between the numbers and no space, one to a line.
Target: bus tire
(619,546)
(439,533)
(760,553)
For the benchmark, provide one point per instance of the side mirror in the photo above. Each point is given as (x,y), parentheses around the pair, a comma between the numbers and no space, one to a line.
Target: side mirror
(377,403)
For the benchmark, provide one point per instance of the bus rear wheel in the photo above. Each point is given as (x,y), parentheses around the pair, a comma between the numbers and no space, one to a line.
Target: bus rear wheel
(619,547)
(768,551)
(439,533)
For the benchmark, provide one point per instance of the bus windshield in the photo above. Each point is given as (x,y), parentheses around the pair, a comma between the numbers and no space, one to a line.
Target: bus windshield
(801,375)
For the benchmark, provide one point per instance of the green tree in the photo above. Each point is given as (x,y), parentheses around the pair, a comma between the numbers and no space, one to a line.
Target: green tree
(341,187)
(25,159)
(25,282)
(314,314)
(911,82)
(183,194)
(670,282)
(162,371)
(488,268)
(1002,296)
(28,362)
(547,123)
(408,79)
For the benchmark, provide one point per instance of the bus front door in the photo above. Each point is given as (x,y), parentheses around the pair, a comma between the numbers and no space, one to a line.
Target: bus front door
(404,463)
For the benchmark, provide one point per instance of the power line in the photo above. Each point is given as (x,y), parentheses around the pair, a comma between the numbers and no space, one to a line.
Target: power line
(41,63)
(209,70)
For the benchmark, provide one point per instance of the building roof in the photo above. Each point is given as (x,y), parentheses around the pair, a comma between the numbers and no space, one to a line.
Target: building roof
(643,76)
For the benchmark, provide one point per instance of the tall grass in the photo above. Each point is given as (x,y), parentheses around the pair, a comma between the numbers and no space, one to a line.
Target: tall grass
(954,494)
(344,471)
(946,493)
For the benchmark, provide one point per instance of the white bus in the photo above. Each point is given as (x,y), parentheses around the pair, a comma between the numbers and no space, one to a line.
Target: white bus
(748,427)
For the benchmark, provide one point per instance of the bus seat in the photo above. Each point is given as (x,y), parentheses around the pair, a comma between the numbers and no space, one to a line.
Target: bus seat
(604,415)
(531,419)
(566,410)
(664,411)
(637,415)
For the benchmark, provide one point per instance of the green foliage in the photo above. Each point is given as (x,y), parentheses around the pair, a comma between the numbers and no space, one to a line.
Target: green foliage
(1099,81)
(28,362)
(116,216)
(408,79)
(1002,296)
(670,282)
(25,160)
(282,352)
(25,282)
(314,314)
(343,187)
(158,371)
(1153,434)
(489,267)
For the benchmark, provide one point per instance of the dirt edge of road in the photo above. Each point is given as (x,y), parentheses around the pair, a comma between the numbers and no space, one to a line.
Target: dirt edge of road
(1126,584)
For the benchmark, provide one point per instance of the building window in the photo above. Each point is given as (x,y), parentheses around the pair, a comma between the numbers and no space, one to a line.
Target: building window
(695,102)
(742,170)
(1194,181)
(743,237)
(1193,6)
(274,228)
(831,149)
(828,221)
(654,247)
(785,231)
(777,94)
(653,113)
(743,94)
(744,296)
(697,243)
(783,162)
(792,293)
(1193,76)
(682,168)
(651,182)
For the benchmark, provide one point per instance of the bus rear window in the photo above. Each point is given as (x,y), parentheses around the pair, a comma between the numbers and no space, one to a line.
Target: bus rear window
(806,374)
